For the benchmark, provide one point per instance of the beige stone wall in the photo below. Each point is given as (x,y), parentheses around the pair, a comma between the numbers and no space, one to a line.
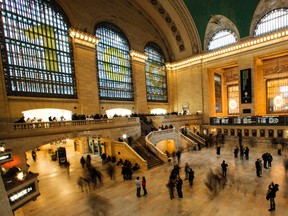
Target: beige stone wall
(86,79)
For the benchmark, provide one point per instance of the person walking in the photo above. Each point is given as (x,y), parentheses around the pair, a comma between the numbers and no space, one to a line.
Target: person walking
(236,150)
(191,176)
(144,185)
(218,148)
(34,156)
(224,168)
(82,161)
(179,184)
(258,165)
(170,185)
(271,195)
(138,186)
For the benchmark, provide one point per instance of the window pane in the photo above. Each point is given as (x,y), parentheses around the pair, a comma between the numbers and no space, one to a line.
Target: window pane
(221,39)
(277,95)
(233,99)
(218,92)
(156,81)
(272,21)
(114,68)
(36,49)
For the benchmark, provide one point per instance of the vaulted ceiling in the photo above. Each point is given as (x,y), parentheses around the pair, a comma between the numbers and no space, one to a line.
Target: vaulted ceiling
(240,12)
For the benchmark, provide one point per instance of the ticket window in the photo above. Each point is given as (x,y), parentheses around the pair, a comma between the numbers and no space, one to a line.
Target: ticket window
(232,132)
(239,133)
(254,133)
(262,133)
(226,132)
(246,132)
(271,133)
(280,133)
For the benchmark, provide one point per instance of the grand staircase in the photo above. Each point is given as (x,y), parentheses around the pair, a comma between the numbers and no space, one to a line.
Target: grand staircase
(152,159)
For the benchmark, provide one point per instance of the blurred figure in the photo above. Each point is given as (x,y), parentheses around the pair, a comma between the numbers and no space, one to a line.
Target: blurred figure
(111,171)
(191,176)
(271,195)
(82,161)
(224,168)
(99,205)
(170,185)
(34,156)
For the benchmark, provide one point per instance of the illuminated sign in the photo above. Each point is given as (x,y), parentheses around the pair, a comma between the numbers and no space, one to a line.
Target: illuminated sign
(24,192)
(250,120)
(5,157)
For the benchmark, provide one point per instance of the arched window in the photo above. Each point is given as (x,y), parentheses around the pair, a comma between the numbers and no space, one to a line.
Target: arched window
(156,80)
(36,49)
(221,39)
(274,20)
(114,67)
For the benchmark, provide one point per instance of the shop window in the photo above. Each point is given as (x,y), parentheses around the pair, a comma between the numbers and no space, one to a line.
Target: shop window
(232,132)
(226,132)
(254,133)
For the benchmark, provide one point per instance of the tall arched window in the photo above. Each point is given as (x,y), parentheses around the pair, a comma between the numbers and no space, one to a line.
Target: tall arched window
(36,49)
(221,39)
(274,20)
(114,67)
(156,80)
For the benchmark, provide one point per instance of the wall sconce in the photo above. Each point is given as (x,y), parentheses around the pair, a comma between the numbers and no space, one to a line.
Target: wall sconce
(21,176)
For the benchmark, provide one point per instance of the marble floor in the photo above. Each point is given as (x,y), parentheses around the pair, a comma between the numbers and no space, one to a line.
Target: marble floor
(243,194)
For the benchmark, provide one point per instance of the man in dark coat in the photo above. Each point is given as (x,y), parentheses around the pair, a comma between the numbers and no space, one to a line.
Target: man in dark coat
(224,168)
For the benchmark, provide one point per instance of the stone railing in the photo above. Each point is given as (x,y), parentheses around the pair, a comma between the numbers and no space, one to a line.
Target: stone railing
(128,153)
(39,128)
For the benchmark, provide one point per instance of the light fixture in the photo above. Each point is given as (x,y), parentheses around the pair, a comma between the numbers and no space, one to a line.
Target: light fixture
(21,176)
(232,104)
(124,136)
(278,101)
(2,148)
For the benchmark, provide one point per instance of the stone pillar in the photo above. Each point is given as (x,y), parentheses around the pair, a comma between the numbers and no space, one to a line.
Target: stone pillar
(139,80)
(85,72)
(5,208)
(246,63)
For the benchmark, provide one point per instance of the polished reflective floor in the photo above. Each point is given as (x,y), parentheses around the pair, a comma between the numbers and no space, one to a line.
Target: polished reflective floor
(242,195)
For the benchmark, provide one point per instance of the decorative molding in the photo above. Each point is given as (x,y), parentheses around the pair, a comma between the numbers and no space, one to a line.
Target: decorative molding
(189,24)
(138,56)
(83,38)
(165,15)
(275,70)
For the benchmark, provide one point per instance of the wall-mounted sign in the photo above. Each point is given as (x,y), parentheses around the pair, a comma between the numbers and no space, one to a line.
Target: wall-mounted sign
(19,193)
(6,156)
(246,86)
(250,120)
